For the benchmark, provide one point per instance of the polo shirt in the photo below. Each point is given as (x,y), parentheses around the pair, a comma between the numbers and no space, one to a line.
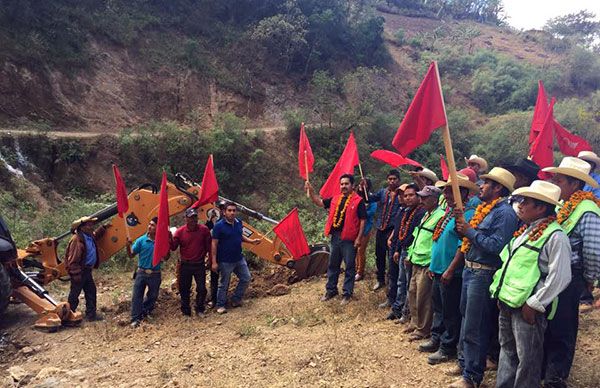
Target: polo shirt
(193,245)
(144,247)
(229,248)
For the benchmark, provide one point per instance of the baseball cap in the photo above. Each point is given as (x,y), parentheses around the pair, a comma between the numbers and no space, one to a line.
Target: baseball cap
(429,191)
(191,212)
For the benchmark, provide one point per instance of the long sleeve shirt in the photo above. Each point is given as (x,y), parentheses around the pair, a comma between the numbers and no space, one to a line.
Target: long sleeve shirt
(590,188)
(585,247)
(554,263)
(404,243)
(388,207)
(491,235)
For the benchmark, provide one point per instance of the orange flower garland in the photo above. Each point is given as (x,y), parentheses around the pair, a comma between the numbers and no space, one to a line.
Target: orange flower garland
(573,202)
(536,232)
(405,224)
(480,213)
(387,210)
(339,214)
(441,225)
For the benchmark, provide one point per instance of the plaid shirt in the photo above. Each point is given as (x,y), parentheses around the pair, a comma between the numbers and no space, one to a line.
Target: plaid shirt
(585,246)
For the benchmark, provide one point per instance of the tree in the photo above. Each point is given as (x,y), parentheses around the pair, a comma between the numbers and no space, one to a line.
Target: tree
(580,28)
(324,92)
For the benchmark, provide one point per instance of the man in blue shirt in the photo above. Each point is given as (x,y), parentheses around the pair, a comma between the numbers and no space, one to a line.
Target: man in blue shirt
(483,245)
(146,275)
(227,258)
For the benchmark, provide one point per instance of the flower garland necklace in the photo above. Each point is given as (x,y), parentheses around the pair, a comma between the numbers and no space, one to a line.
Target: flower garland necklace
(441,224)
(535,233)
(573,202)
(339,214)
(480,213)
(385,218)
(405,224)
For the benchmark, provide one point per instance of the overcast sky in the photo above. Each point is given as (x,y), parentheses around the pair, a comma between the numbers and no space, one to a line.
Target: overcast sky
(528,14)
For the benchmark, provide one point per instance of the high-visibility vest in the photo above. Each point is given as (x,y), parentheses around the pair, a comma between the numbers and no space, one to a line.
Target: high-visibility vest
(419,251)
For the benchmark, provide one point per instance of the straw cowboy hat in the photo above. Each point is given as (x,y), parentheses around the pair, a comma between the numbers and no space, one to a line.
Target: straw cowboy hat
(542,190)
(427,173)
(576,168)
(589,156)
(483,166)
(77,223)
(502,176)
(463,181)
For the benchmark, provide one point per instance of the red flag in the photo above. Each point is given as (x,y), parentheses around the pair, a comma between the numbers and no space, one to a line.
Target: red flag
(569,143)
(539,113)
(444,168)
(542,148)
(122,201)
(289,230)
(393,159)
(209,192)
(425,114)
(345,165)
(161,241)
(306,159)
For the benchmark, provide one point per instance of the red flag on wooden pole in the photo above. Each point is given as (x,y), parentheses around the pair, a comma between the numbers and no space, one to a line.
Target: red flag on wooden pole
(209,191)
(161,241)
(444,168)
(425,114)
(306,158)
(569,143)
(289,230)
(539,113)
(345,165)
(393,159)
(541,150)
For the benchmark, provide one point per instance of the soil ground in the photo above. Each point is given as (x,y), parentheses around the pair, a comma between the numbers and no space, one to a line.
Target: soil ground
(287,340)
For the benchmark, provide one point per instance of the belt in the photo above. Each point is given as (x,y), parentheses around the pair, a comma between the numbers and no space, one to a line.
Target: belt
(474,265)
(147,271)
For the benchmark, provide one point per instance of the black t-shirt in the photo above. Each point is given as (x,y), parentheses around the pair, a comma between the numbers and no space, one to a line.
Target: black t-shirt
(362,210)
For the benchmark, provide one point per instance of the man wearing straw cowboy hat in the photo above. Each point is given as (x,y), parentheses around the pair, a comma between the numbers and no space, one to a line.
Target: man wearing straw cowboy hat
(491,227)
(536,268)
(477,164)
(594,161)
(580,219)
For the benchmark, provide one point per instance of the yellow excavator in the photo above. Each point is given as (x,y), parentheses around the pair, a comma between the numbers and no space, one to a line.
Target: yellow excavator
(24,272)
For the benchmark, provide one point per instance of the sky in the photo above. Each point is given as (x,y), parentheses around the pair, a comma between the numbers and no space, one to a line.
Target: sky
(533,14)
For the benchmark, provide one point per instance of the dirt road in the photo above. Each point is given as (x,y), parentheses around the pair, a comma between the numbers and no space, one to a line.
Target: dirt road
(277,341)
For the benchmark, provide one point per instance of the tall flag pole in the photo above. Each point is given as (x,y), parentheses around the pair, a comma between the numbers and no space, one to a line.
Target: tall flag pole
(161,241)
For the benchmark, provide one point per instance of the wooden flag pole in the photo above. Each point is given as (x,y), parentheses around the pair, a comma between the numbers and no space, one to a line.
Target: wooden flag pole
(306,170)
(363,177)
(449,151)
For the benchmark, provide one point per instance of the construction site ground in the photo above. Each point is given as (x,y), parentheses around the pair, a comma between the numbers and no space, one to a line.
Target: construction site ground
(282,337)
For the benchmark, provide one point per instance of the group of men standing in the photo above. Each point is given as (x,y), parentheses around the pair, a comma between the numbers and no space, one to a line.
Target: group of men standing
(499,278)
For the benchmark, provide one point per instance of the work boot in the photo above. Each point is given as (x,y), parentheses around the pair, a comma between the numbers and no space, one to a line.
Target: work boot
(438,358)
(430,346)
(236,303)
(221,310)
(454,370)
(392,316)
(328,296)
(345,300)
(378,286)
(95,317)
(462,383)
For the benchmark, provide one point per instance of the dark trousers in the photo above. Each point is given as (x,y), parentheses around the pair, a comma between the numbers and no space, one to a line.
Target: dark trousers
(381,252)
(561,334)
(494,347)
(197,271)
(446,314)
(86,283)
(393,272)
(214,286)
(140,306)
(341,251)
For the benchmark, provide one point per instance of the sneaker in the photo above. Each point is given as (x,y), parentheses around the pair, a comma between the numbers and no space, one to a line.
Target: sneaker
(378,286)
(327,296)
(221,310)
(236,303)
(358,278)
(462,383)
(210,305)
(585,307)
(200,314)
(345,300)
(430,346)
(439,357)
(403,319)
(384,305)
(135,324)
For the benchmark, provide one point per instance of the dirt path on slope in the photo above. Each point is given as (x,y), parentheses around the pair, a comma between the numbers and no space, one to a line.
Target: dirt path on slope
(276,341)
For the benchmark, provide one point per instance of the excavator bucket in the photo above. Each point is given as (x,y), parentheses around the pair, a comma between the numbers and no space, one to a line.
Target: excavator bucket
(313,264)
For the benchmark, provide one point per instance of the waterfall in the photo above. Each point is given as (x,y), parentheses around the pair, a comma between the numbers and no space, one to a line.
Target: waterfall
(21,159)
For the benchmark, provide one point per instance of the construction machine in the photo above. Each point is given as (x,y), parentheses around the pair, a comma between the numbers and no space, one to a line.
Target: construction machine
(24,272)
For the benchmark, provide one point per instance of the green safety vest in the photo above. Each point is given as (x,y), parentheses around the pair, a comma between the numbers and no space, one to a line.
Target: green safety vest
(515,281)
(419,251)
(585,206)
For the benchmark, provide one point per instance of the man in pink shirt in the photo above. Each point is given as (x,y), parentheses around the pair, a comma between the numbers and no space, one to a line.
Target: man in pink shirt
(194,242)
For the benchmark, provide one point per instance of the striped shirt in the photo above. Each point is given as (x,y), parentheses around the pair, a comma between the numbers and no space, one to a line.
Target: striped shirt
(585,246)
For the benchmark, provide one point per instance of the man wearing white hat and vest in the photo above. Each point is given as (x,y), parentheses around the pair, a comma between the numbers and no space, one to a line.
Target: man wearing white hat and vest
(580,219)
(594,162)
(536,267)
(484,237)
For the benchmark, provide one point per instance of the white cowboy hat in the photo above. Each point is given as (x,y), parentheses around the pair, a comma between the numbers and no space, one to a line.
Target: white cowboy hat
(502,176)
(427,173)
(589,156)
(483,166)
(77,223)
(576,168)
(463,181)
(542,190)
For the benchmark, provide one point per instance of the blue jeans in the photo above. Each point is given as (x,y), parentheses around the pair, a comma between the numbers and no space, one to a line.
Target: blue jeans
(476,307)
(140,306)
(400,304)
(240,269)
(341,250)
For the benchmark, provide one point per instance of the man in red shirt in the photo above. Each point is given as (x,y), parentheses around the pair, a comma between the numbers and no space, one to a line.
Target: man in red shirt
(194,241)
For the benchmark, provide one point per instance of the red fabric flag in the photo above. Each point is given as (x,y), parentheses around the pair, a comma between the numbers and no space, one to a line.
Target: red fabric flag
(444,168)
(539,113)
(393,159)
(161,241)
(289,230)
(209,192)
(345,165)
(425,114)
(569,143)
(542,148)
(122,201)
(306,159)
